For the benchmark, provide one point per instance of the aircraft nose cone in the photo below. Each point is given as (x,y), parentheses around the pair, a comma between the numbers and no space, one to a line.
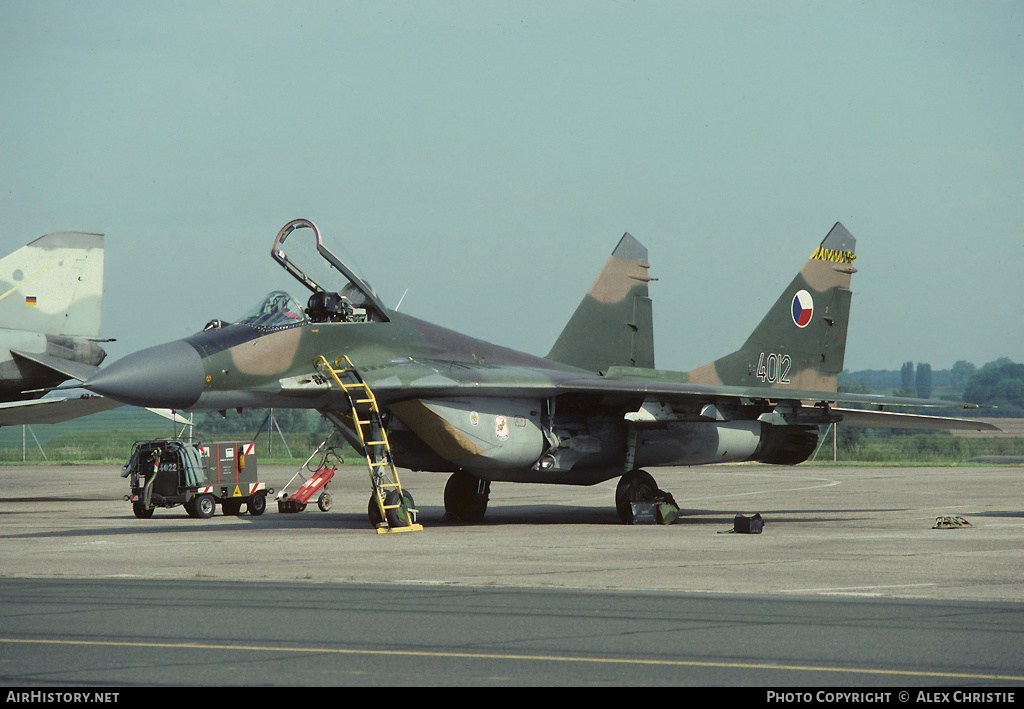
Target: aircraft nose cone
(166,376)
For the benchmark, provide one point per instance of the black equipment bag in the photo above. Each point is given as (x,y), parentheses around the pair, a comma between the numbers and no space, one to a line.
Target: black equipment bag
(748,525)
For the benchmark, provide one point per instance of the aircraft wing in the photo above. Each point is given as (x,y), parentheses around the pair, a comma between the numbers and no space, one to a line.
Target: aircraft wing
(67,367)
(60,409)
(892,419)
(463,380)
(56,410)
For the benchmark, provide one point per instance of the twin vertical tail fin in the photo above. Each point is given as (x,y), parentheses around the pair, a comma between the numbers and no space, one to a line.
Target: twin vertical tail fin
(54,285)
(801,342)
(613,325)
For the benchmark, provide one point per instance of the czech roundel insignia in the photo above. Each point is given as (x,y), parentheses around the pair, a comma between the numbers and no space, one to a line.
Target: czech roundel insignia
(803,308)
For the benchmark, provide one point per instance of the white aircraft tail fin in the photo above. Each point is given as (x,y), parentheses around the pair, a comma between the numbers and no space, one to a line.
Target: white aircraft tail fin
(54,285)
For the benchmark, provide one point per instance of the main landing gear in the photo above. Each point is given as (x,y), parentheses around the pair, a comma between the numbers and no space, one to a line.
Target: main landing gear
(638,486)
(465,497)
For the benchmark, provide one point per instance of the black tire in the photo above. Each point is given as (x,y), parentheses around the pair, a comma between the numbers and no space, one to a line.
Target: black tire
(373,512)
(462,497)
(403,516)
(140,511)
(634,486)
(324,502)
(204,506)
(256,504)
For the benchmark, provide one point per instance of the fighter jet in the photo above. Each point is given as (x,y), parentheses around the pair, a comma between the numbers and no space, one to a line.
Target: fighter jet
(51,293)
(594,408)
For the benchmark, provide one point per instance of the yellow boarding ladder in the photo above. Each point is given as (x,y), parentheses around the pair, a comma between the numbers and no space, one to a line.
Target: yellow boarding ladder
(398,517)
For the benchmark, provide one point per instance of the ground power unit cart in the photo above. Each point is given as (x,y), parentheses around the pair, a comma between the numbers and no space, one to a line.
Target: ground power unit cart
(167,473)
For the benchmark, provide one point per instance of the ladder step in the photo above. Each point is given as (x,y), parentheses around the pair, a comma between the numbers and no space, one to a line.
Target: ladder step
(391,530)
(352,385)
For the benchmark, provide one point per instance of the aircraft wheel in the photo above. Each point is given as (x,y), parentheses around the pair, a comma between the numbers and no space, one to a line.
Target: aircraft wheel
(140,510)
(403,516)
(256,504)
(324,502)
(466,496)
(373,511)
(634,486)
(204,506)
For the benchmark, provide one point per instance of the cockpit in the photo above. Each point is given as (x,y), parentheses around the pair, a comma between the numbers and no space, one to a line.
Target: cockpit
(278,309)
(338,293)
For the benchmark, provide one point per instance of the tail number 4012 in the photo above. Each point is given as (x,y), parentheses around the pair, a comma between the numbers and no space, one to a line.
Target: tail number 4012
(774,368)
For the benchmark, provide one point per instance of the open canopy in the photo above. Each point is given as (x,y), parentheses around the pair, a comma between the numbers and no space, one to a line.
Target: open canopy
(339,292)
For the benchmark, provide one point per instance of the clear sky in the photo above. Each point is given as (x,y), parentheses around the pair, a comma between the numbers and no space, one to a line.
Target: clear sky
(487,156)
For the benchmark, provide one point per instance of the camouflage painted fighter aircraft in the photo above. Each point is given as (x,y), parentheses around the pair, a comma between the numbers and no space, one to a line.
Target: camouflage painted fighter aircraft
(51,294)
(593,409)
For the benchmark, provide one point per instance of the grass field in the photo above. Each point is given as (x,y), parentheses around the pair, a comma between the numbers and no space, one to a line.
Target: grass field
(921,449)
(113,447)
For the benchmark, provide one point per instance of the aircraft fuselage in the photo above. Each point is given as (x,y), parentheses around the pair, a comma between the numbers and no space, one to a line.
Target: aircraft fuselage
(447,396)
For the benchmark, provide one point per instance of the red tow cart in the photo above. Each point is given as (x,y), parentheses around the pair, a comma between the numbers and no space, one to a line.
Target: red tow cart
(317,483)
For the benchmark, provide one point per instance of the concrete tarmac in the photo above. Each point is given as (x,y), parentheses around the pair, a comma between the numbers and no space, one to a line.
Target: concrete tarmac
(865,531)
(131,633)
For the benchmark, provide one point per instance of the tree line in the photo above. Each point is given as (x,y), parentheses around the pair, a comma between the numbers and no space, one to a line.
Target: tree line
(997,385)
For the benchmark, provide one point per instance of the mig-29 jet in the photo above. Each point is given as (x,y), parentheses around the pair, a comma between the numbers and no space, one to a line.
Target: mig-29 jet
(593,409)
